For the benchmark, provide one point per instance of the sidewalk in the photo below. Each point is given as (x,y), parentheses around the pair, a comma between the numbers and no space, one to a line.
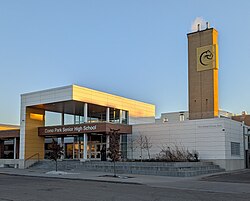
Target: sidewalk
(190,183)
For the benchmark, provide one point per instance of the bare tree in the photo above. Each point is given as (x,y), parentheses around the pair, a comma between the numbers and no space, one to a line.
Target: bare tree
(147,144)
(144,143)
(114,147)
(132,145)
(57,151)
(140,142)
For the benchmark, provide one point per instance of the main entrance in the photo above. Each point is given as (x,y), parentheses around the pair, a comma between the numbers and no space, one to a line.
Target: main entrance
(87,141)
(74,146)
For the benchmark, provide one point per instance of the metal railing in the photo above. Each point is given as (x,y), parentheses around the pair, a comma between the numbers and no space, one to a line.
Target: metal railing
(31,160)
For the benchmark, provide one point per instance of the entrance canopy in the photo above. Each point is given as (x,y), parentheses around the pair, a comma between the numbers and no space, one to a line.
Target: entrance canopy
(9,134)
(9,131)
(76,129)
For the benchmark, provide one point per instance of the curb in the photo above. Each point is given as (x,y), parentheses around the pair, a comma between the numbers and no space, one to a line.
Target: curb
(78,179)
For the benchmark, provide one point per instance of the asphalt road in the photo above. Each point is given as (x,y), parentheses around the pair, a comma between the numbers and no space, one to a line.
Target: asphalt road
(23,188)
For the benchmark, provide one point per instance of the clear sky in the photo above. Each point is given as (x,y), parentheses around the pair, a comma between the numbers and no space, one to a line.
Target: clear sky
(132,48)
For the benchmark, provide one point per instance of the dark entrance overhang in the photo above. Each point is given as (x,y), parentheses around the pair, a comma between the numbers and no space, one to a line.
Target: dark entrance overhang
(7,134)
(77,129)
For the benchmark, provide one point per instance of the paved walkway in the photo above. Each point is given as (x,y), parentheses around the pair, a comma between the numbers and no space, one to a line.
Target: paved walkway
(201,183)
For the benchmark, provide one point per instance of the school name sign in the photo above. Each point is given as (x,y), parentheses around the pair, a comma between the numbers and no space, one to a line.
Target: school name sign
(83,128)
(69,129)
(78,129)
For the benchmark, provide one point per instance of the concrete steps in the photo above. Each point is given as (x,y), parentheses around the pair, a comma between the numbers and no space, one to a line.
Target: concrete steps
(49,165)
(178,169)
(181,169)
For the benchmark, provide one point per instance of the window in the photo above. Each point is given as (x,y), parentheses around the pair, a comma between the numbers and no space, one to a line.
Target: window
(53,118)
(124,117)
(182,117)
(165,120)
(235,149)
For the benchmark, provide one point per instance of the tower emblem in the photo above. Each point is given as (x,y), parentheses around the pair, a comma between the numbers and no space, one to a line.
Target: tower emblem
(207,58)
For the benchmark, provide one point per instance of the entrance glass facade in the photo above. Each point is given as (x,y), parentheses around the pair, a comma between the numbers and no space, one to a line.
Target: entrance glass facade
(74,146)
(9,149)
(95,114)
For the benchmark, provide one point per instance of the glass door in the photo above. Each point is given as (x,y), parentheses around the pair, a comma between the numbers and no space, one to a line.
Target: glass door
(94,150)
(96,144)
(78,148)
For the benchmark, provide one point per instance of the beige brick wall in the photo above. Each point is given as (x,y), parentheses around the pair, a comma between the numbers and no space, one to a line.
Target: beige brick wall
(33,143)
(203,85)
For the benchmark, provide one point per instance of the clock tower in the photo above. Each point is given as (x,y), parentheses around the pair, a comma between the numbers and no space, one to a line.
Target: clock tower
(203,74)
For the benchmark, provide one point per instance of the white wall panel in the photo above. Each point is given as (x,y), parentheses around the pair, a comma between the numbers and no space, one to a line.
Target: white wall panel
(210,137)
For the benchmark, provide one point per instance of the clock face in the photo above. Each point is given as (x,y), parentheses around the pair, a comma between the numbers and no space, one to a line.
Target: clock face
(207,58)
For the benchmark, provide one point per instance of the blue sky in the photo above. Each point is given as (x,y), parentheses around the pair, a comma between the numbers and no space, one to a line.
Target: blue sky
(133,48)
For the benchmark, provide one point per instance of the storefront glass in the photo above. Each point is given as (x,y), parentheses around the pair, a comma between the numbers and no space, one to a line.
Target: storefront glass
(74,146)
